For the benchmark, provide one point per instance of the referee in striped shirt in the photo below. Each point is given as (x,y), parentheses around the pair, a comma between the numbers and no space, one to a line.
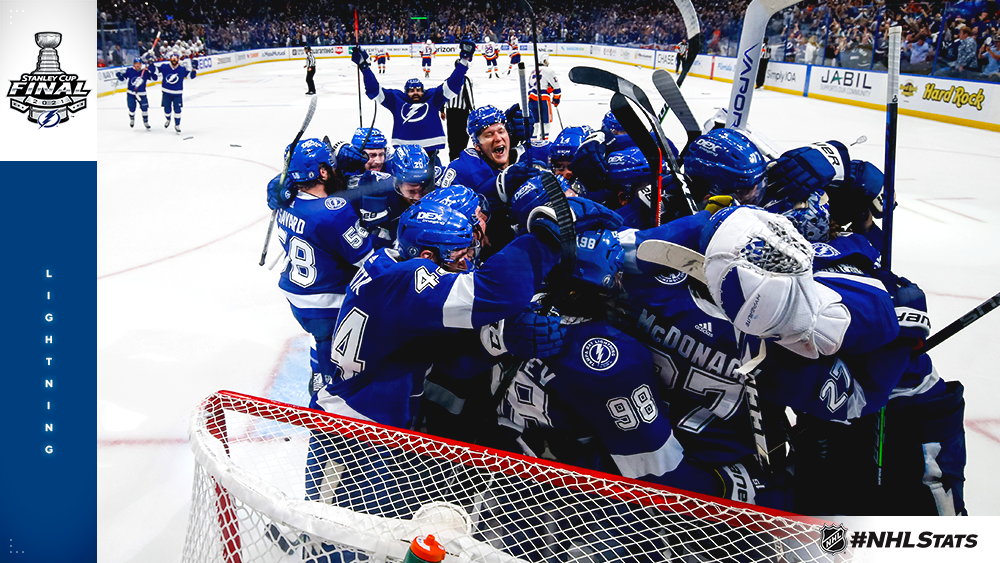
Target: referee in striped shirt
(456,114)
(310,70)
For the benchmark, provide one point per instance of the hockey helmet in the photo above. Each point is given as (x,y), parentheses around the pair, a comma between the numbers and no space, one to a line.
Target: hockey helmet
(462,199)
(409,163)
(481,118)
(569,139)
(529,196)
(599,257)
(433,225)
(308,155)
(413,83)
(375,139)
(725,162)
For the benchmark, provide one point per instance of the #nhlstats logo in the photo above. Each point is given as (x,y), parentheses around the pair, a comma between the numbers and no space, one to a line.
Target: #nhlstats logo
(48,94)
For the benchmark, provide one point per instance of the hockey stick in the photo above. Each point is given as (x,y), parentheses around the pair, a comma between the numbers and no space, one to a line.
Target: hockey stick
(891,109)
(538,71)
(891,117)
(958,324)
(672,255)
(754,25)
(673,98)
(284,174)
(644,141)
(559,115)
(525,116)
(610,81)
(693,28)
(357,45)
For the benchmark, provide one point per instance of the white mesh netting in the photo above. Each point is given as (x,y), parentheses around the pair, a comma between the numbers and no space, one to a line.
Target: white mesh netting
(276,482)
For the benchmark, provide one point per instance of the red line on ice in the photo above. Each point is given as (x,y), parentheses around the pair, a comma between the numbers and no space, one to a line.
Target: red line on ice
(979,426)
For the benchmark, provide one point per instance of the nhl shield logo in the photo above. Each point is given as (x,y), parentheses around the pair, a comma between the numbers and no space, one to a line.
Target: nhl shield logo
(834,539)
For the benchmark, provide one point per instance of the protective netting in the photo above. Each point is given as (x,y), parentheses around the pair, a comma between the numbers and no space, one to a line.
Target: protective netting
(276,482)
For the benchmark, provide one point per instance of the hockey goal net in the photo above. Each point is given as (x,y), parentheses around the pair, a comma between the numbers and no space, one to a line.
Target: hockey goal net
(374,488)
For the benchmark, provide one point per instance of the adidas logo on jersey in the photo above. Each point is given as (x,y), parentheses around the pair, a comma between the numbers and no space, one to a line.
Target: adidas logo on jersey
(705,328)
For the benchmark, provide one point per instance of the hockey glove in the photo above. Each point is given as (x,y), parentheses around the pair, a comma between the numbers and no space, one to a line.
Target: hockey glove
(530,335)
(360,58)
(512,178)
(120,75)
(587,216)
(515,125)
(349,159)
(747,483)
(800,172)
(590,163)
(852,199)
(280,196)
(194,64)
(466,49)
(910,303)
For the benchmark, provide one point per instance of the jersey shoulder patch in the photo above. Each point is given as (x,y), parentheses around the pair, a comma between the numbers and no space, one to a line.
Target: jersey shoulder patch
(335,203)
(599,354)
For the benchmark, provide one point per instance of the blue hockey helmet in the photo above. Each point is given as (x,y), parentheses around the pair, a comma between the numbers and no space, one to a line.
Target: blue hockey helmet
(435,226)
(726,162)
(569,139)
(628,168)
(812,217)
(413,83)
(376,140)
(462,199)
(409,163)
(137,60)
(308,155)
(481,118)
(529,196)
(599,257)
(610,123)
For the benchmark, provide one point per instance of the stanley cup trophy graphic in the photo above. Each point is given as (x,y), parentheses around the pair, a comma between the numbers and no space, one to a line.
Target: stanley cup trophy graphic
(48,57)
(48,94)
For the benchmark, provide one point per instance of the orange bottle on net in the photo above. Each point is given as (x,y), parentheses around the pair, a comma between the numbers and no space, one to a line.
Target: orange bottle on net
(424,549)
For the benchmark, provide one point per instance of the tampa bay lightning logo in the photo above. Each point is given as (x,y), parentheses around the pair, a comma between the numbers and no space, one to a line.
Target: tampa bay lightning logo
(824,250)
(671,279)
(335,203)
(49,119)
(599,354)
(173,78)
(414,112)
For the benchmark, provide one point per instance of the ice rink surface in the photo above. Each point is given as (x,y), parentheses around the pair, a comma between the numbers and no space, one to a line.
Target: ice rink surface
(184,310)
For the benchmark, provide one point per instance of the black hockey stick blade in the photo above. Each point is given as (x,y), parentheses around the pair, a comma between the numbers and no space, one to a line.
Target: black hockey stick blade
(680,258)
(671,94)
(958,324)
(284,173)
(609,81)
(694,47)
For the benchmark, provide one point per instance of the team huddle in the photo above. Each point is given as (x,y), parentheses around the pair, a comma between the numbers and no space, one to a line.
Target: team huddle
(449,299)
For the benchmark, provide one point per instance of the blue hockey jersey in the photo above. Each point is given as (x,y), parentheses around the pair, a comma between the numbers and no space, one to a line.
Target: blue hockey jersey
(376,201)
(325,243)
(417,123)
(136,79)
(173,78)
(399,314)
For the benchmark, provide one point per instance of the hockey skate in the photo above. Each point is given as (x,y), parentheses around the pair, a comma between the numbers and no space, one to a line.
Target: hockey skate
(146,123)
(131,121)
(166,123)
(177,128)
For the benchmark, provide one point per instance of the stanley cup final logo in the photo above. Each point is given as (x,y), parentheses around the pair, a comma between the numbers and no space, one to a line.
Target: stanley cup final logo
(48,94)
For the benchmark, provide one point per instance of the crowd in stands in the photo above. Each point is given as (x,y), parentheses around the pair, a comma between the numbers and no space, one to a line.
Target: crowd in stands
(950,39)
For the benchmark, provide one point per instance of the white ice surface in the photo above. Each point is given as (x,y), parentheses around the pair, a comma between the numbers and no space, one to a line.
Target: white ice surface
(184,310)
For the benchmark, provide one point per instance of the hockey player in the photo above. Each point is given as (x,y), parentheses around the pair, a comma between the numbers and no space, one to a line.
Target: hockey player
(564,147)
(380,57)
(549,96)
(373,143)
(174,74)
(402,303)
(491,53)
(411,171)
(136,78)
(481,167)
(426,53)
(323,240)
(515,54)
(415,112)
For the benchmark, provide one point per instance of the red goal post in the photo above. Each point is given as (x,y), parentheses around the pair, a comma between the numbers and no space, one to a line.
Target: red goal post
(379,487)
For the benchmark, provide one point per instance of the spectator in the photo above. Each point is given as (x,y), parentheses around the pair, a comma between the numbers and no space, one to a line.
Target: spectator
(991,50)
(117,57)
(966,64)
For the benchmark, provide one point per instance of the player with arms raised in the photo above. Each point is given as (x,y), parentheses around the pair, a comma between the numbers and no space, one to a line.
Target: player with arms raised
(136,77)
(174,74)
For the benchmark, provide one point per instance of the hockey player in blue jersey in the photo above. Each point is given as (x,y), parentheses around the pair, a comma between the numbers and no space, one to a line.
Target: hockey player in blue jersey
(416,112)
(373,143)
(563,149)
(172,85)
(323,240)
(402,304)
(136,78)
